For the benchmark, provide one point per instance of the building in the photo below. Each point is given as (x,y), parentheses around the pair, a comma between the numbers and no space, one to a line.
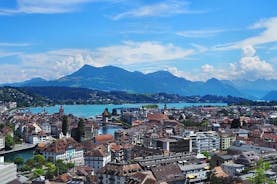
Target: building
(2,142)
(41,137)
(204,141)
(218,159)
(170,173)
(117,153)
(66,149)
(103,139)
(226,140)
(7,172)
(232,169)
(46,127)
(174,144)
(239,147)
(117,173)
(195,173)
(159,160)
(97,157)
(249,158)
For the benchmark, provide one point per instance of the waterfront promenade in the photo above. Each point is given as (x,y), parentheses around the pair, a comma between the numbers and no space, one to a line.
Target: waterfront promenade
(18,147)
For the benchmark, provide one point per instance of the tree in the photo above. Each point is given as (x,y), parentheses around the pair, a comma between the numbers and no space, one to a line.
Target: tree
(260,176)
(65,125)
(235,123)
(39,161)
(9,142)
(206,154)
(19,161)
(51,170)
(80,130)
(38,172)
(61,167)
(114,112)
(70,165)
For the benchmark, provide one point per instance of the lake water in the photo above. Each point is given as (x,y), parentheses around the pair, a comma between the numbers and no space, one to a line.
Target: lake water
(25,154)
(93,110)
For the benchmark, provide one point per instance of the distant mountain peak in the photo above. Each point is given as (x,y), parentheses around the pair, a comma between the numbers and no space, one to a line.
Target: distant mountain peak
(112,78)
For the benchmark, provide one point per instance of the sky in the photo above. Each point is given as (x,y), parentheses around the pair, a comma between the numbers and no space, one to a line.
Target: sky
(194,39)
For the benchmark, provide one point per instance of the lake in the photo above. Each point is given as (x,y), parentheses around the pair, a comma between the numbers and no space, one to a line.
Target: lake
(93,110)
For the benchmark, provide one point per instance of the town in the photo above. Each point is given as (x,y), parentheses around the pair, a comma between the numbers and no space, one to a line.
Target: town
(206,144)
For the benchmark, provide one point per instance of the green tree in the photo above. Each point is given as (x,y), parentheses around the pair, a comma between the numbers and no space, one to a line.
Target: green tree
(235,123)
(114,112)
(26,167)
(39,161)
(70,165)
(80,130)
(9,142)
(61,167)
(65,125)
(38,172)
(206,154)
(260,176)
(19,161)
(51,170)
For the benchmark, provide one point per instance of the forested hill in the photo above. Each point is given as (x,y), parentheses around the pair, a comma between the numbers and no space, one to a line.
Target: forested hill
(22,97)
(34,96)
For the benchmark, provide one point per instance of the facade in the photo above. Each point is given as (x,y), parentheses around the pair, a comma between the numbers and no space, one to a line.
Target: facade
(7,172)
(39,138)
(195,173)
(249,158)
(226,140)
(114,173)
(205,141)
(46,127)
(97,158)
(2,142)
(66,149)
(232,169)
(175,144)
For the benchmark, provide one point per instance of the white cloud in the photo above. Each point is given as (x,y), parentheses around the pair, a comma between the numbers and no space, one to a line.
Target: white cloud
(7,44)
(179,73)
(162,9)
(268,35)
(134,52)
(207,68)
(200,33)
(7,53)
(57,63)
(46,6)
(249,67)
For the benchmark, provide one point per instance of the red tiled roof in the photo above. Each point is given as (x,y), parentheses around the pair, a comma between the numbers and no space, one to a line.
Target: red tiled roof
(61,145)
(156,116)
(103,138)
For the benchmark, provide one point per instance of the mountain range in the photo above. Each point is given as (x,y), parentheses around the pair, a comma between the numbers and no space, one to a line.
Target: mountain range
(111,78)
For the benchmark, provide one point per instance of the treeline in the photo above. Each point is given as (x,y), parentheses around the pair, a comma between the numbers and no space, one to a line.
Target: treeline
(39,96)
(21,97)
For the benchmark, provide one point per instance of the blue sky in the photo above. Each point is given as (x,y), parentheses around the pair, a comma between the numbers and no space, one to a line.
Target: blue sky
(197,40)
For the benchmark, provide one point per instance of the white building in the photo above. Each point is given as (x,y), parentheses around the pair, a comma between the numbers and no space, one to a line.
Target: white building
(46,127)
(39,138)
(7,172)
(195,173)
(204,141)
(97,158)
(2,142)
(66,149)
